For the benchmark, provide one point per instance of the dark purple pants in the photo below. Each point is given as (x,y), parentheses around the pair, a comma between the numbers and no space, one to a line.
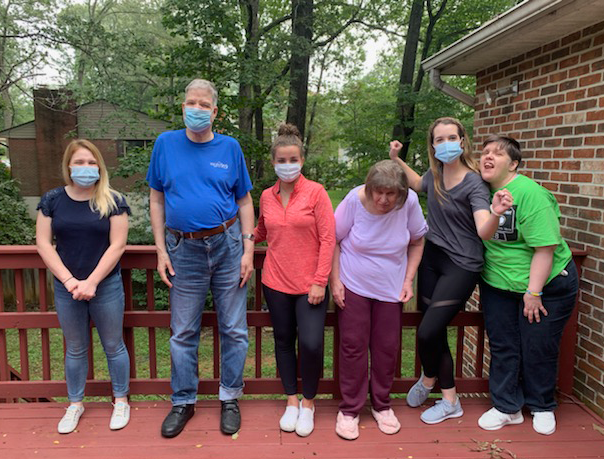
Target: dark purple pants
(367,325)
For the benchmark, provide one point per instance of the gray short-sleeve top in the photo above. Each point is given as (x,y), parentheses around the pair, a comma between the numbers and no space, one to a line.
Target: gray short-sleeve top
(451,222)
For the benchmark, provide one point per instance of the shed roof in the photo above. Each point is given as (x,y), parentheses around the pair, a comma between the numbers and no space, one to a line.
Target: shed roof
(524,27)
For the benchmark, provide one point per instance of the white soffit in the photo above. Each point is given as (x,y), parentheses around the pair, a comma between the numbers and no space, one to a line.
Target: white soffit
(526,26)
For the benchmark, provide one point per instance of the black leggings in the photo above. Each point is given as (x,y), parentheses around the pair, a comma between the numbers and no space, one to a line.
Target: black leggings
(293,316)
(443,289)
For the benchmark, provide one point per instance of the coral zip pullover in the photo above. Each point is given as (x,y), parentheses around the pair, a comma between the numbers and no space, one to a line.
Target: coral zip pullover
(301,237)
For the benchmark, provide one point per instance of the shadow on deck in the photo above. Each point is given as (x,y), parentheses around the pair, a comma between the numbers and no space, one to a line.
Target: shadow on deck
(29,431)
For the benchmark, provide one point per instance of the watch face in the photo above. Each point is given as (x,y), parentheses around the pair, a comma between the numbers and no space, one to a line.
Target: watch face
(248,236)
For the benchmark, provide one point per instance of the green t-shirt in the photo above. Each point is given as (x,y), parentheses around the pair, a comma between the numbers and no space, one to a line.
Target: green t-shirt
(533,221)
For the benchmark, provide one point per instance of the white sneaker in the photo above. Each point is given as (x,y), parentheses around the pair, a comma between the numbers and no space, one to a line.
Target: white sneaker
(544,422)
(495,419)
(69,421)
(306,421)
(120,416)
(288,421)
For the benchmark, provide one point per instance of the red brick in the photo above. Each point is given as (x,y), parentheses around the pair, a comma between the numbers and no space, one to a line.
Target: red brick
(597,66)
(554,120)
(570,38)
(578,71)
(577,224)
(525,65)
(590,214)
(596,140)
(574,60)
(527,135)
(596,228)
(565,108)
(593,29)
(586,104)
(559,176)
(599,40)
(569,84)
(595,116)
(550,186)
(580,46)
(534,52)
(538,82)
(521,106)
(532,113)
(572,165)
(575,95)
(560,76)
(590,79)
(590,55)
(595,91)
(561,154)
(549,68)
(531,74)
(546,111)
(550,143)
(566,130)
(585,129)
(586,178)
(595,240)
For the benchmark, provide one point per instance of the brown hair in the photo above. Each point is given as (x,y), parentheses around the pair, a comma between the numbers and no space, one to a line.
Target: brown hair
(389,175)
(287,136)
(436,166)
(104,197)
(508,144)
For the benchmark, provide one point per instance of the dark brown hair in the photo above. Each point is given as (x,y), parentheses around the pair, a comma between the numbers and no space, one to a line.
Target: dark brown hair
(287,136)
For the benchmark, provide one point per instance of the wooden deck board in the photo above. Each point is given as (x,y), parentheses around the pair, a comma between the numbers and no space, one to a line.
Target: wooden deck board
(29,431)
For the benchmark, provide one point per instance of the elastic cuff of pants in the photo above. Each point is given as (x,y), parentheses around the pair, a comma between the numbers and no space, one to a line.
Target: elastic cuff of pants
(120,395)
(225,393)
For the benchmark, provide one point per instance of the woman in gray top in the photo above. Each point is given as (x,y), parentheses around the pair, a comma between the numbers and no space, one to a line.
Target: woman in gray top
(459,216)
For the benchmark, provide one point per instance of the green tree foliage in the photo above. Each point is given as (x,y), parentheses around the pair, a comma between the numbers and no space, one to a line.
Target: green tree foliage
(15,225)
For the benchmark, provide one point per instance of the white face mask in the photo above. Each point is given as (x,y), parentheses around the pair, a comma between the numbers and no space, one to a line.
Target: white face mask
(288,172)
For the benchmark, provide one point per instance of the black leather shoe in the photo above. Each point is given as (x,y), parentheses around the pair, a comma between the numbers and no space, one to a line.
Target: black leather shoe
(230,417)
(177,420)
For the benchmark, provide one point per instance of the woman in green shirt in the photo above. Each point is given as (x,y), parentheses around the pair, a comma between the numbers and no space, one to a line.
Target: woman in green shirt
(528,289)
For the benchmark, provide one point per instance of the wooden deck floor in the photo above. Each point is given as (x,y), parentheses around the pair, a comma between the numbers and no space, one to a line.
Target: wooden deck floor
(29,431)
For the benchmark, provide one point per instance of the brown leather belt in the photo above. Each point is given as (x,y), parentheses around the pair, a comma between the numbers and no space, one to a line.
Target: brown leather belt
(204,233)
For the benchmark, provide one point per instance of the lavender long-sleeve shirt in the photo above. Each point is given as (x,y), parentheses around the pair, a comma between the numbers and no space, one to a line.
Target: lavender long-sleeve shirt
(373,255)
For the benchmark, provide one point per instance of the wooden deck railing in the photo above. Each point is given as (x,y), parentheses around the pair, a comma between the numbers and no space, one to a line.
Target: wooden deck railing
(21,384)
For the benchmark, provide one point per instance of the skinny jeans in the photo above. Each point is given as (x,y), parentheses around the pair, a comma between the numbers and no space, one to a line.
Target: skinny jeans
(443,290)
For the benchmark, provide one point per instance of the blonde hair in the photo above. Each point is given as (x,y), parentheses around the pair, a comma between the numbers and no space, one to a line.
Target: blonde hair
(287,136)
(389,175)
(436,166)
(103,200)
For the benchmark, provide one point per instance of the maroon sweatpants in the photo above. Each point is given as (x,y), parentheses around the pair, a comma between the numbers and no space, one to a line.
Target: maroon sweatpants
(367,325)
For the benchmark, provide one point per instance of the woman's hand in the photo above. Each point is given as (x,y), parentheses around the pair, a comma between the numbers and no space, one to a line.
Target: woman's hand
(532,307)
(85,290)
(395,149)
(502,201)
(316,294)
(337,291)
(406,292)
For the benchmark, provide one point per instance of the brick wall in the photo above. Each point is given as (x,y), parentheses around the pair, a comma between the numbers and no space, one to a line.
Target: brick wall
(558,116)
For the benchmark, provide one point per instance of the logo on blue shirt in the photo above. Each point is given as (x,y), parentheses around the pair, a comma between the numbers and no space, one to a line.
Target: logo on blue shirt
(219,165)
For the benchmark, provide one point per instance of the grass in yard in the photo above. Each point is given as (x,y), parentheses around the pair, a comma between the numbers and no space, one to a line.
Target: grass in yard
(141,338)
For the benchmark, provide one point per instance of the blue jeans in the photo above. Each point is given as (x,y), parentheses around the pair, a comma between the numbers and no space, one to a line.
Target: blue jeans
(524,356)
(211,263)
(106,309)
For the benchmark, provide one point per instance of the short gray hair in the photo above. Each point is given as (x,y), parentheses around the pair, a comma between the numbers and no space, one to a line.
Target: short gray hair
(198,83)
(388,175)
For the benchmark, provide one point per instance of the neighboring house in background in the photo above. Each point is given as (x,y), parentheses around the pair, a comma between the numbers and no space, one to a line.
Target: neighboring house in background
(539,71)
(36,148)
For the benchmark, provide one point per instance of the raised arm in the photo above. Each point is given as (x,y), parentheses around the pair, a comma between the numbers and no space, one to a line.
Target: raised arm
(488,222)
(414,179)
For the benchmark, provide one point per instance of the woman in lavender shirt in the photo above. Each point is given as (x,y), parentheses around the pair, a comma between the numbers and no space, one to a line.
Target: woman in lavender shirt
(379,230)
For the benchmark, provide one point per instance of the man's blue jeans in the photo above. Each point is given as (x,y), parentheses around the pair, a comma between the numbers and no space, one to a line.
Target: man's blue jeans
(106,309)
(211,263)
(524,356)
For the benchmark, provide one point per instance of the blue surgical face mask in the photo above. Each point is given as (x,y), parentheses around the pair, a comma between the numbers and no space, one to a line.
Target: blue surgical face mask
(85,176)
(447,152)
(197,119)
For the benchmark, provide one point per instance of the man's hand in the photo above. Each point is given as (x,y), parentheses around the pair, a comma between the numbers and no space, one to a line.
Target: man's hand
(247,267)
(163,264)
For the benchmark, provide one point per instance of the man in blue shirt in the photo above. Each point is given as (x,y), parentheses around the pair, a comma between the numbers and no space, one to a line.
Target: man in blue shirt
(202,217)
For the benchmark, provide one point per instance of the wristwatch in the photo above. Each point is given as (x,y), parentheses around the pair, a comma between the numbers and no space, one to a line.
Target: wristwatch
(248,236)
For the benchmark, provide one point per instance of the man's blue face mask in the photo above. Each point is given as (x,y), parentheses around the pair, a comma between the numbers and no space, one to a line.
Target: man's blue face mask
(197,119)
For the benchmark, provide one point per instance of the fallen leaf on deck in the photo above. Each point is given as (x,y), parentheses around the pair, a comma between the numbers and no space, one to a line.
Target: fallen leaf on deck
(56,442)
(198,446)
(598,428)
(235,436)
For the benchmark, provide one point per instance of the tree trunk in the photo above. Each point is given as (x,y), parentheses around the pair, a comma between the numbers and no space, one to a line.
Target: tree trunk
(248,65)
(301,49)
(404,106)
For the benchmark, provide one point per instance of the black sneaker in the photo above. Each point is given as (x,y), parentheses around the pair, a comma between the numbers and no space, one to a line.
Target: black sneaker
(230,417)
(176,420)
